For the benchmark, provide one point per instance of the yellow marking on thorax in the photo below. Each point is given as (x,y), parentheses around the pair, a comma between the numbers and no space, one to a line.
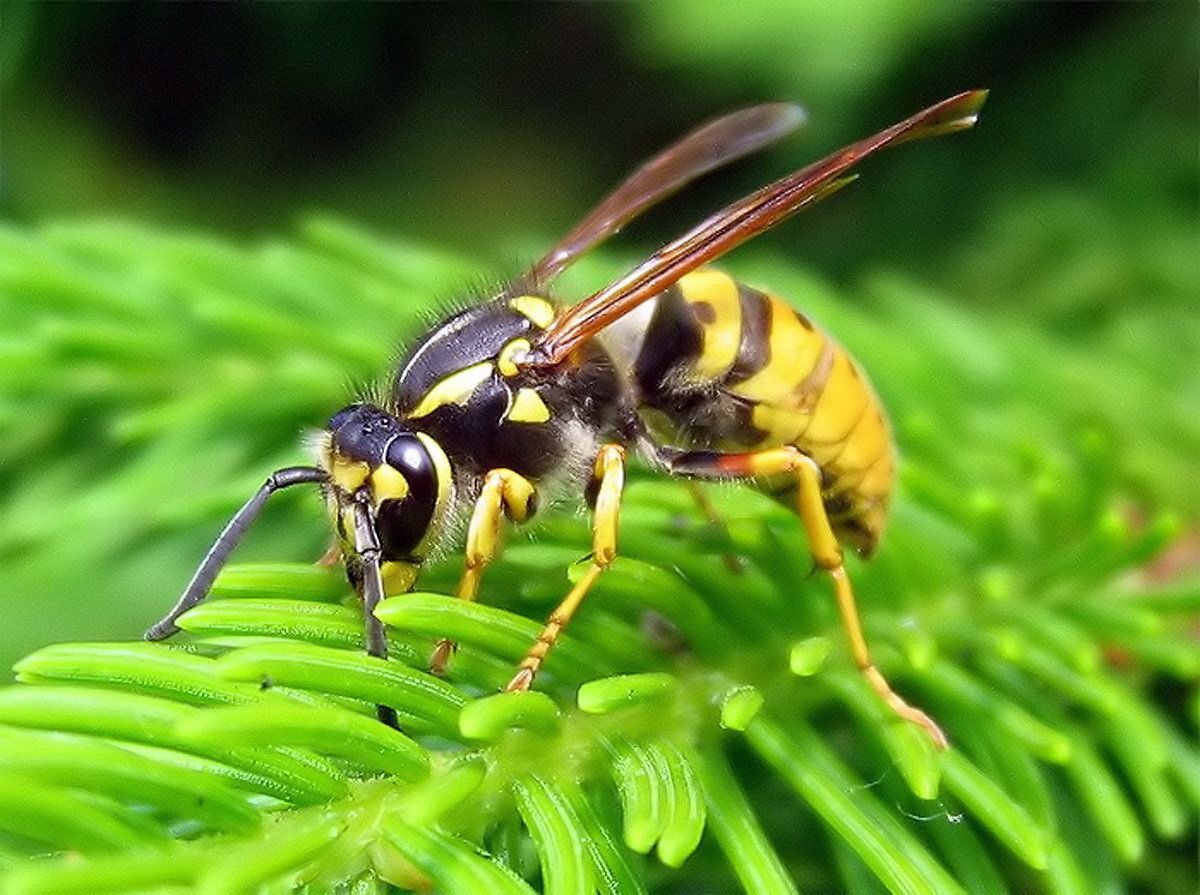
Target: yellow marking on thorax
(388,483)
(456,388)
(504,360)
(535,308)
(528,407)
(716,305)
(348,475)
(794,351)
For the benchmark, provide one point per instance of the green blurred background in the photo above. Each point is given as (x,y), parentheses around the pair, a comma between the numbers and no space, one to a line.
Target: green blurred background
(486,130)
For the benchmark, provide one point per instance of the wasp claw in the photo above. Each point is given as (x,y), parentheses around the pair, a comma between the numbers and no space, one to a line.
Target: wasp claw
(931,727)
(521,681)
(442,654)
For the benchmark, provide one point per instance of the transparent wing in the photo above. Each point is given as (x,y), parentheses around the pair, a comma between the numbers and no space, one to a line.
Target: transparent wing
(710,146)
(737,223)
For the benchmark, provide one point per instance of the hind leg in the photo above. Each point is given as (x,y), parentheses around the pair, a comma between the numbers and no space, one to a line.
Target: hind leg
(826,550)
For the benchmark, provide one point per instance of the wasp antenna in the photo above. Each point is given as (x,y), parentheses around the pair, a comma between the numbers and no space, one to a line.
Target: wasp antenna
(227,540)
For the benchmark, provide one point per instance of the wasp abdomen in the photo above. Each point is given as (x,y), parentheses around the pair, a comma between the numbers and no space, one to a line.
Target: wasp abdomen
(725,367)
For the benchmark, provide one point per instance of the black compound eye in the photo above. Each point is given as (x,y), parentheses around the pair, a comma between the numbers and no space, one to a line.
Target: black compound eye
(408,455)
(404,523)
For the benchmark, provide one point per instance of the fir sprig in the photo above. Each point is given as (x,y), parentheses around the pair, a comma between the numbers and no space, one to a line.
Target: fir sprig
(697,728)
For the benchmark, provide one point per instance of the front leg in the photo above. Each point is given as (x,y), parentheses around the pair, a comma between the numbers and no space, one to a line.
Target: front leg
(609,474)
(505,493)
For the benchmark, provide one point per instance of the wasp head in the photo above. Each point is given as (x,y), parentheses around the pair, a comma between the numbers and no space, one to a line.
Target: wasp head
(404,475)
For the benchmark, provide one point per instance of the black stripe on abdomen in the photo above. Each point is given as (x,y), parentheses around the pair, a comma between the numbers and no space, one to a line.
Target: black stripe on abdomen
(673,337)
(754,348)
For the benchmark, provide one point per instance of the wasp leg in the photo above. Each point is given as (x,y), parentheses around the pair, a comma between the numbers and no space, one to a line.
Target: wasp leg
(504,493)
(227,540)
(826,550)
(708,511)
(368,556)
(609,472)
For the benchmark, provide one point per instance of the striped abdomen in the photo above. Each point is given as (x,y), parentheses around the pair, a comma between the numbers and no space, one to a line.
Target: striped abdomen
(721,366)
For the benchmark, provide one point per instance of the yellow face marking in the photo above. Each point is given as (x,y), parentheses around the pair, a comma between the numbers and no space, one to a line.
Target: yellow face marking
(538,310)
(715,301)
(528,407)
(348,475)
(794,351)
(456,388)
(388,483)
(504,360)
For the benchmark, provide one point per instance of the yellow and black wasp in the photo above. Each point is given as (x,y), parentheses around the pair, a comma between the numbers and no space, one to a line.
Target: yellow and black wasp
(700,375)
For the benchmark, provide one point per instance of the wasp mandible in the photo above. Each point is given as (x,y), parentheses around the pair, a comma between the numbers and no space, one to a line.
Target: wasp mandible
(704,377)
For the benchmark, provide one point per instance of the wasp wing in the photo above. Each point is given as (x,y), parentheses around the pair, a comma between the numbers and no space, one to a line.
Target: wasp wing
(737,223)
(710,146)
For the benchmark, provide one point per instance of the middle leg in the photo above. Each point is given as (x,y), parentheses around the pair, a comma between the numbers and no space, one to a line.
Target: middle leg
(609,473)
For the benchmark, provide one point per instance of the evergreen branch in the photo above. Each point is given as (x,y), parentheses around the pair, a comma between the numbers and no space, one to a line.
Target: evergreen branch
(1009,595)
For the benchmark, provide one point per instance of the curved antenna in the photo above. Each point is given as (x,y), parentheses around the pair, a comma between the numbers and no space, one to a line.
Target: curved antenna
(710,146)
(227,540)
(735,224)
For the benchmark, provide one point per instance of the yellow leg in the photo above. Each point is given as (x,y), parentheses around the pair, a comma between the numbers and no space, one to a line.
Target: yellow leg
(505,493)
(826,550)
(610,472)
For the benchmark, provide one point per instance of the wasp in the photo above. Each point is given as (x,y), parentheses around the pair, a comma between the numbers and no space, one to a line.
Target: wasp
(517,398)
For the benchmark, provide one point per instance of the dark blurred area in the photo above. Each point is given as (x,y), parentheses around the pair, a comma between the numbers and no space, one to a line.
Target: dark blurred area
(473,125)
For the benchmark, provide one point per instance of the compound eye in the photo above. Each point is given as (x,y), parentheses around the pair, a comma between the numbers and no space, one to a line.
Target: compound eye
(408,456)
(404,523)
